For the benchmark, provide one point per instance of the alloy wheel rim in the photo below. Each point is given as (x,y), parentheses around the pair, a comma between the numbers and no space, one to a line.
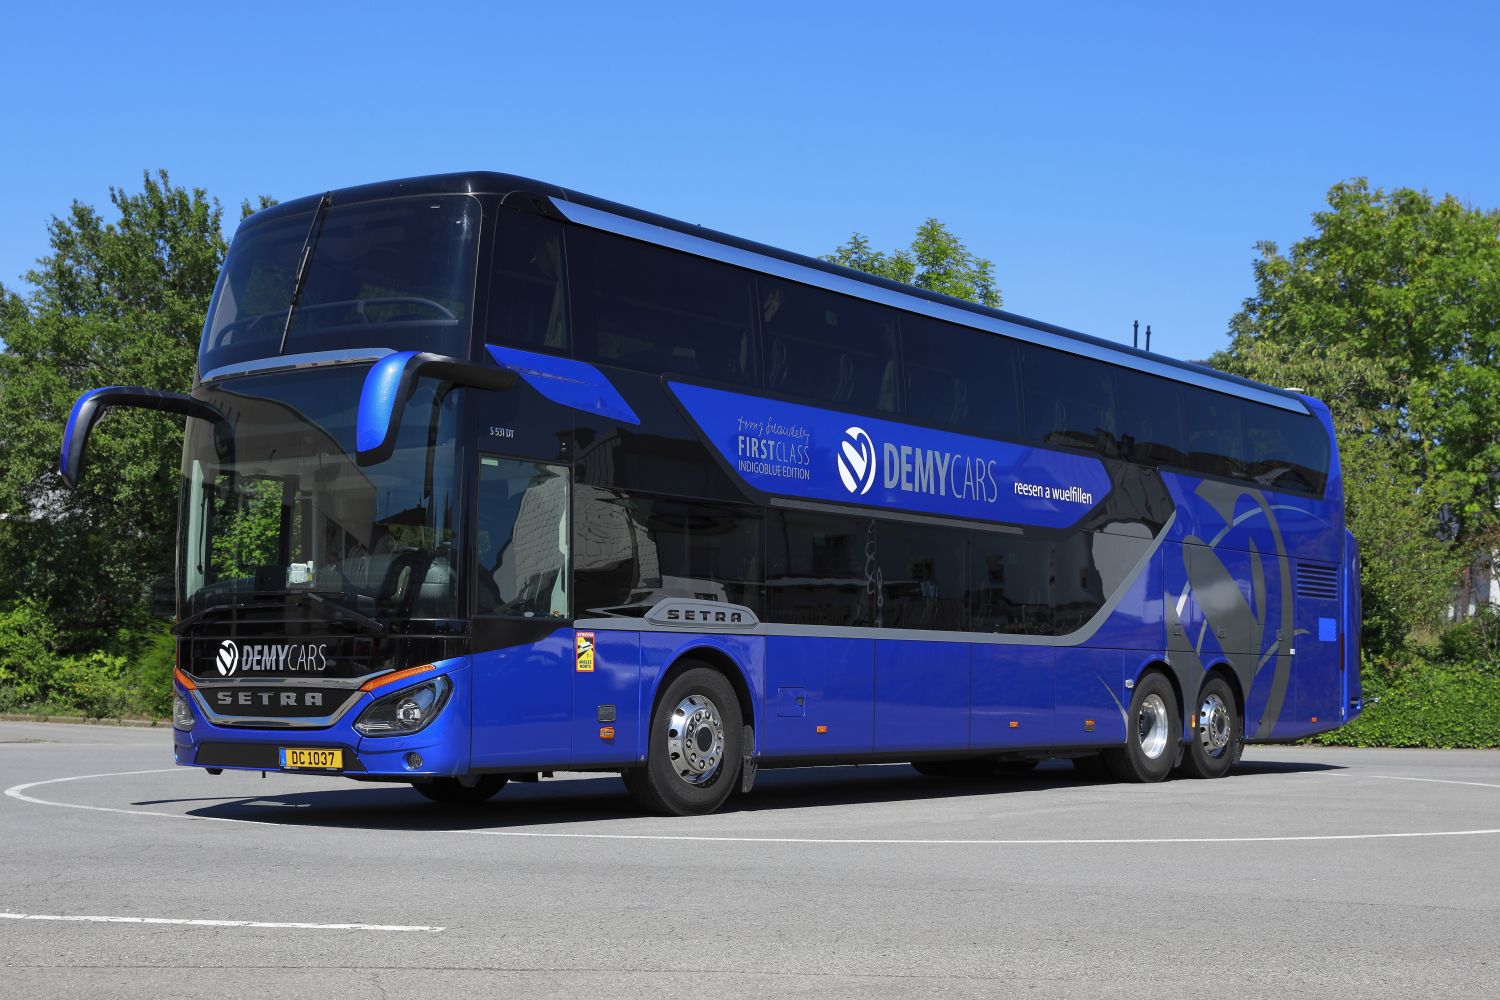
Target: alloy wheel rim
(695,740)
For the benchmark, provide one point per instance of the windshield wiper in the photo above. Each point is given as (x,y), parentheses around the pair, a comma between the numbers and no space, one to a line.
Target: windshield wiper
(304,265)
(337,613)
(182,627)
(349,615)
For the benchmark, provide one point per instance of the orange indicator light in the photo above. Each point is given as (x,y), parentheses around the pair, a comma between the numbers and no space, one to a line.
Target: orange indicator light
(606,732)
(400,675)
(1315,718)
(1014,724)
(822,729)
(183,679)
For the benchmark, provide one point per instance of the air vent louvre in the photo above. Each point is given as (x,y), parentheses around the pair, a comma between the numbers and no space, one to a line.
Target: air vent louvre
(1317,582)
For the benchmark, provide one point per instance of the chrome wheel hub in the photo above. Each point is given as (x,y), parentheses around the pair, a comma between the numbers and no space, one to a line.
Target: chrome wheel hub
(1152,726)
(1215,726)
(695,740)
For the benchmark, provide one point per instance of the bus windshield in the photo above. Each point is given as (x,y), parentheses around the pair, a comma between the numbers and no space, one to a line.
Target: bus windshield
(397,273)
(278,508)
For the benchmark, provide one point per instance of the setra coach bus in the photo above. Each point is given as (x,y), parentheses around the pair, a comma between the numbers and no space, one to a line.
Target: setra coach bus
(484,478)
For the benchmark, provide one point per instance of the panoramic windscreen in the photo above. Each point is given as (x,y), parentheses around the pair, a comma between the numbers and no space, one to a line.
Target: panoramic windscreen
(395,274)
(280,509)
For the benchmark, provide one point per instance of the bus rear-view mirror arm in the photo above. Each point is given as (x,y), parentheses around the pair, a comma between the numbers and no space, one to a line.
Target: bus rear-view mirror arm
(92,404)
(389,384)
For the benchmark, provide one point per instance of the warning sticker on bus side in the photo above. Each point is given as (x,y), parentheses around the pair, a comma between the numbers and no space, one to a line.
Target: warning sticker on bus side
(583,657)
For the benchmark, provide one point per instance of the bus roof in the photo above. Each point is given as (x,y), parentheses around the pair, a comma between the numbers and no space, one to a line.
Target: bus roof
(552,200)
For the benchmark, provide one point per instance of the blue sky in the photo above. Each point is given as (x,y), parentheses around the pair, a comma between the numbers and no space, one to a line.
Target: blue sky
(1115,161)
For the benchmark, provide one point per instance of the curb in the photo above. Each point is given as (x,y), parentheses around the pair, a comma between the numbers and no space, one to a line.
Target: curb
(78,720)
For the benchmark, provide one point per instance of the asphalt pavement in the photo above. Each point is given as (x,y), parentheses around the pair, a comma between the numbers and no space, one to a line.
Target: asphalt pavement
(1309,872)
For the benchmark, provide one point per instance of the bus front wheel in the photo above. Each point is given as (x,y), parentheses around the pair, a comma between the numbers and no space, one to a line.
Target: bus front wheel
(693,755)
(1153,733)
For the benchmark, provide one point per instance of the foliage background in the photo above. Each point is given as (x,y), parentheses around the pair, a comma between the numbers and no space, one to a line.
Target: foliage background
(1389,311)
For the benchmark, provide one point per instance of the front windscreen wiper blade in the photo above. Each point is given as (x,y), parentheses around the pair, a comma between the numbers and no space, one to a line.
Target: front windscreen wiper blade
(337,613)
(304,265)
(342,612)
(182,627)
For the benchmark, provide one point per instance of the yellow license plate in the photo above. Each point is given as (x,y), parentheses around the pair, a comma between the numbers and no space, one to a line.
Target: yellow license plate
(293,758)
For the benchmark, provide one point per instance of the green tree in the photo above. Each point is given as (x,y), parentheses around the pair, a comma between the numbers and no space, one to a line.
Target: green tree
(115,302)
(1390,312)
(936,260)
(1408,287)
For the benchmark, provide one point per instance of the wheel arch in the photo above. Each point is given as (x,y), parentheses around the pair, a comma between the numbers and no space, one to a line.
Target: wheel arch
(1159,666)
(713,658)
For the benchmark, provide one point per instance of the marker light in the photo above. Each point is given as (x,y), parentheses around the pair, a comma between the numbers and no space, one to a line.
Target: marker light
(400,675)
(406,711)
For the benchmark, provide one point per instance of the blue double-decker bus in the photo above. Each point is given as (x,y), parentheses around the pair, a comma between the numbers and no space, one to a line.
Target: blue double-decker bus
(484,478)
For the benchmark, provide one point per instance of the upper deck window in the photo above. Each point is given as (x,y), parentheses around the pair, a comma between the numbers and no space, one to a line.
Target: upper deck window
(397,274)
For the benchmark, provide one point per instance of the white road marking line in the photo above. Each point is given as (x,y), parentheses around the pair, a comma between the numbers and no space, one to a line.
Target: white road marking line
(16,792)
(1436,781)
(272,924)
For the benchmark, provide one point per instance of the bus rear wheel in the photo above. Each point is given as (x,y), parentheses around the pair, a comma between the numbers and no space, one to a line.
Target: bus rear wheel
(1153,733)
(693,754)
(1215,747)
(452,792)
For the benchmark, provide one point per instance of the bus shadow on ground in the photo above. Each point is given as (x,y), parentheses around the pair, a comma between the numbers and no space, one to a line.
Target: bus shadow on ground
(595,798)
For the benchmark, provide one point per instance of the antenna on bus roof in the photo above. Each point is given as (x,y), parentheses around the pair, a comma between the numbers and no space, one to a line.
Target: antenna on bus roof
(1148,338)
(1135,334)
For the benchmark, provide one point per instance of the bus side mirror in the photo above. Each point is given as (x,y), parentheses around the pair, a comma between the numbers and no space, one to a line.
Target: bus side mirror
(389,383)
(92,404)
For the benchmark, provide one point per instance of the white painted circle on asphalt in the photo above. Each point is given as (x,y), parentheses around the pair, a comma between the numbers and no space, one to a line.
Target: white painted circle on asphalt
(19,792)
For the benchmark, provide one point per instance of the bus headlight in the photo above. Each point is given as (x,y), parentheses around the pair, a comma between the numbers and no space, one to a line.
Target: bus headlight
(182,715)
(407,711)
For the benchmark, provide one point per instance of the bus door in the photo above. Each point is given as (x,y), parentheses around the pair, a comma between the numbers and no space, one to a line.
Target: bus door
(524,659)
(1318,666)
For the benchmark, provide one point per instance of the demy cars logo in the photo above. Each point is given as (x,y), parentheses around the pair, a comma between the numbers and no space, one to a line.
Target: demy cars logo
(229,657)
(857,461)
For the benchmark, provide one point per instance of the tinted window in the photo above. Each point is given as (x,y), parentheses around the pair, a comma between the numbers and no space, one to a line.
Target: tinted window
(396,273)
(1286,450)
(1069,400)
(922,571)
(820,569)
(1149,418)
(528,294)
(1214,433)
(631,552)
(959,378)
(826,348)
(1009,583)
(522,547)
(655,310)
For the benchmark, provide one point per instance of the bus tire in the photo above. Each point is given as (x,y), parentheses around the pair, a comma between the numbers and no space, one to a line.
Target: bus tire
(1215,748)
(1153,733)
(452,792)
(693,747)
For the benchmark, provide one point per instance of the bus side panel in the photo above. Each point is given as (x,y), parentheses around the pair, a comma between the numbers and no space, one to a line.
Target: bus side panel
(661,650)
(1091,693)
(1012,684)
(921,695)
(608,695)
(523,703)
(819,683)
